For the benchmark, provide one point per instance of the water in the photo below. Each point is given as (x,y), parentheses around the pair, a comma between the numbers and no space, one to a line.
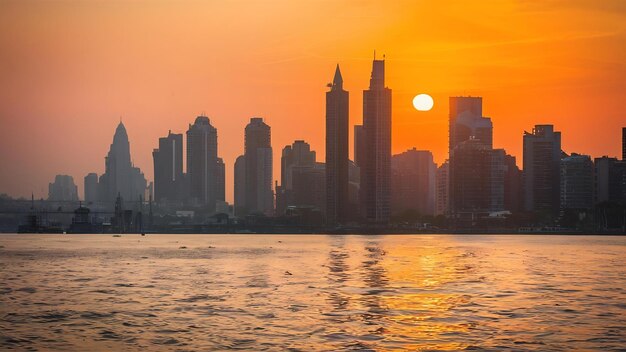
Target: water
(269,292)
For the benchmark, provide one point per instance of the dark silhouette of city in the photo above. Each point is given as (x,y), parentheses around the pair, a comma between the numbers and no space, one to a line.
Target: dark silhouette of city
(478,189)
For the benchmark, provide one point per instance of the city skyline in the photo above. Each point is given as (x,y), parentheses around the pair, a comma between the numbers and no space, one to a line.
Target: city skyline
(564,70)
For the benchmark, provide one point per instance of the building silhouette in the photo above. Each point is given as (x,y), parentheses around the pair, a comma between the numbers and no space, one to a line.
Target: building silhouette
(202,163)
(337,149)
(121,178)
(442,199)
(62,189)
(309,187)
(476,170)
(359,138)
(624,143)
(609,181)
(576,182)
(239,179)
(512,185)
(257,192)
(168,169)
(296,155)
(221,181)
(91,187)
(375,165)
(541,171)
(413,175)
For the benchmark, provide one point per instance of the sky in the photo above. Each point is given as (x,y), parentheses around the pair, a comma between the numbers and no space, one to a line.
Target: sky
(69,70)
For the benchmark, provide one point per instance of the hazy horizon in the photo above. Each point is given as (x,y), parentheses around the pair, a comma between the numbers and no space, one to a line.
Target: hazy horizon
(71,69)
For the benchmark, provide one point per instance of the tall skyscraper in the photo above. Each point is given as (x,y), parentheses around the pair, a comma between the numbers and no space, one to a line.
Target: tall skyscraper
(258,169)
(337,160)
(120,177)
(541,171)
(221,181)
(168,168)
(376,162)
(576,182)
(91,187)
(202,163)
(476,171)
(413,175)
(62,189)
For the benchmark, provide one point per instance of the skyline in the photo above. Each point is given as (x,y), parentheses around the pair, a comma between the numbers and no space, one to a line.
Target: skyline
(526,76)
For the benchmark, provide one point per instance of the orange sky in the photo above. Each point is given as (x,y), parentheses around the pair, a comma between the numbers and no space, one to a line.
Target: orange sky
(68,70)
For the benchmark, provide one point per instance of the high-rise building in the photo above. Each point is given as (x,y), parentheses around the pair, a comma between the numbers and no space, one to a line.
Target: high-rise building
(512,185)
(541,171)
(442,199)
(202,163)
(309,187)
(240,185)
(258,170)
(63,189)
(375,164)
(413,175)
(576,182)
(221,181)
(168,169)
(466,121)
(91,187)
(337,149)
(476,171)
(609,181)
(121,178)
(299,154)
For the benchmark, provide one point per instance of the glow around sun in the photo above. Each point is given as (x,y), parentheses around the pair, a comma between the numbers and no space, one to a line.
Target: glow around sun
(423,102)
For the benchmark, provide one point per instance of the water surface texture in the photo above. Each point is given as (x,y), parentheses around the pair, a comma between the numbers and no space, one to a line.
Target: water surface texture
(312,292)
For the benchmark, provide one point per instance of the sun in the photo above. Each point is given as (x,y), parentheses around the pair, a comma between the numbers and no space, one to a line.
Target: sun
(423,102)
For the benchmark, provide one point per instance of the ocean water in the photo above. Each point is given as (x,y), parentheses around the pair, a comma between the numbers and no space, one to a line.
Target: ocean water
(312,292)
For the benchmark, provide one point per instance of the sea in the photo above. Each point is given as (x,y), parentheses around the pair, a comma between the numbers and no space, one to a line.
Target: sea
(312,292)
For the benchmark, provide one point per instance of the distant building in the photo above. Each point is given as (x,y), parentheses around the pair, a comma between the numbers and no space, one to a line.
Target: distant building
(168,169)
(609,181)
(121,178)
(239,177)
(442,199)
(476,170)
(337,149)
(91,187)
(576,182)
(221,181)
(541,175)
(512,185)
(297,155)
(202,163)
(309,187)
(259,197)
(62,189)
(375,163)
(413,175)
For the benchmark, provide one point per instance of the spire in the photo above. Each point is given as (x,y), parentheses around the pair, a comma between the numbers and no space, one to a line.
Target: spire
(337,80)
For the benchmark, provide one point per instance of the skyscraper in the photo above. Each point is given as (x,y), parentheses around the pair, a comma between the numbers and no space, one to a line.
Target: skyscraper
(476,171)
(376,161)
(359,150)
(91,187)
(221,181)
(442,193)
(202,168)
(337,151)
(120,177)
(168,168)
(541,171)
(258,170)
(297,155)
(413,182)
(576,182)
(623,143)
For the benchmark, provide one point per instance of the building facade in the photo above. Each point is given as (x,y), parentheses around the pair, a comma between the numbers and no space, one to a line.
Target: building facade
(541,171)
